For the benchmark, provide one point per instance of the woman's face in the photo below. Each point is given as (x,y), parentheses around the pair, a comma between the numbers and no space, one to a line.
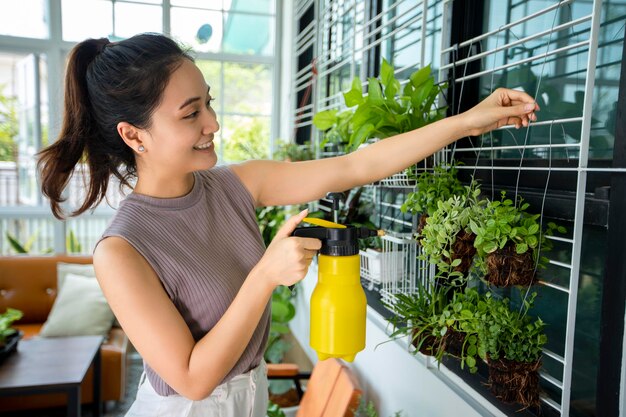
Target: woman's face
(180,139)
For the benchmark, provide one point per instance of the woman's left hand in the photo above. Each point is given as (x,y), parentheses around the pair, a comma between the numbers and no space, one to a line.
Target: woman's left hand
(502,107)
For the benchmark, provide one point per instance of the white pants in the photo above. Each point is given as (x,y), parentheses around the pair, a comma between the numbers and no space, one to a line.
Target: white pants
(243,396)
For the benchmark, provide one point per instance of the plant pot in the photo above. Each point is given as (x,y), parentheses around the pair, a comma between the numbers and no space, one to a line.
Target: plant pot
(515,382)
(10,345)
(286,399)
(428,345)
(463,249)
(420,227)
(454,343)
(506,268)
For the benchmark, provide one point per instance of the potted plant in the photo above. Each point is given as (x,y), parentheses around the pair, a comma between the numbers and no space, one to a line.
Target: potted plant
(417,315)
(447,240)
(508,241)
(386,111)
(438,185)
(8,335)
(337,129)
(511,342)
(459,322)
(292,152)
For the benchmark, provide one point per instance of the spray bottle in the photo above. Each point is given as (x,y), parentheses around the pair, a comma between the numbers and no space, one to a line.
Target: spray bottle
(338,305)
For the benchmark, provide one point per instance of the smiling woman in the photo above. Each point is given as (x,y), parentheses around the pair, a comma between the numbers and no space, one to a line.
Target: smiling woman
(182,263)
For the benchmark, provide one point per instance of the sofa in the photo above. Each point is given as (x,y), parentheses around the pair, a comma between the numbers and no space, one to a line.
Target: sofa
(29,284)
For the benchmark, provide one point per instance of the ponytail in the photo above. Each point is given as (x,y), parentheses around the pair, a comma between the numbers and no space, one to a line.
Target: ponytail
(58,161)
(105,83)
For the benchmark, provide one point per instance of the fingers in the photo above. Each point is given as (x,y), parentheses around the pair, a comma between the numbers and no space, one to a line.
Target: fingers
(508,96)
(291,223)
(309,243)
(521,113)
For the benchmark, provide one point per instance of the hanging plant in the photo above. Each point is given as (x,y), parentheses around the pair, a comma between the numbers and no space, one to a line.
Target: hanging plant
(459,323)
(438,185)
(511,342)
(416,315)
(508,239)
(447,240)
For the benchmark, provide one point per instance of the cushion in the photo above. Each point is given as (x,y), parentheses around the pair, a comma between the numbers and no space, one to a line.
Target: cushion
(80,309)
(85,270)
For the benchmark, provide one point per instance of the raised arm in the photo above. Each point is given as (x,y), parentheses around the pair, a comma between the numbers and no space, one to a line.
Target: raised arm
(158,331)
(281,183)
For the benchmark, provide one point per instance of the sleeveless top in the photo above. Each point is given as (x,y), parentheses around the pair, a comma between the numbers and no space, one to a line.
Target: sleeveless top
(202,246)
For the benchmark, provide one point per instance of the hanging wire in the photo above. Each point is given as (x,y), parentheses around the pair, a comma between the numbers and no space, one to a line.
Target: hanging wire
(545,58)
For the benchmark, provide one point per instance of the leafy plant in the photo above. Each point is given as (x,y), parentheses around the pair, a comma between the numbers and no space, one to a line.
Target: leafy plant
(72,244)
(336,126)
(270,219)
(443,228)
(505,222)
(432,187)
(509,334)
(283,310)
(273,410)
(9,127)
(386,111)
(461,316)
(367,409)
(6,319)
(293,152)
(417,315)
(26,247)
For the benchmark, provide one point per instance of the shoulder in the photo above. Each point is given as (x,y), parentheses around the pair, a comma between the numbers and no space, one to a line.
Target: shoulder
(112,250)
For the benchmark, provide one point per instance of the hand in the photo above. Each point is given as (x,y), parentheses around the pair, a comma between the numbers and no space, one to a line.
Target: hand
(287,258)
(502,107)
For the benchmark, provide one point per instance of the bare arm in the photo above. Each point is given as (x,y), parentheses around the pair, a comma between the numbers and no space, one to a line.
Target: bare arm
(158,331)
(281,183)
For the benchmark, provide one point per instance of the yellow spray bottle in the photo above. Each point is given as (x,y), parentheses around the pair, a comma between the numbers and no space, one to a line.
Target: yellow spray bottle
(338,305)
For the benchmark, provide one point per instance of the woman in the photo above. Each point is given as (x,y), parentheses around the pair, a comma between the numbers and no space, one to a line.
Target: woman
(182,263)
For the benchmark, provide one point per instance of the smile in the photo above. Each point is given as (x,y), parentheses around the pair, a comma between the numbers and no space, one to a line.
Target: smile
(206,145)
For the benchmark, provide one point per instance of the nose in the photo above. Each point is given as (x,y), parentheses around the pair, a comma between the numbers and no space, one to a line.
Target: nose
(209,122)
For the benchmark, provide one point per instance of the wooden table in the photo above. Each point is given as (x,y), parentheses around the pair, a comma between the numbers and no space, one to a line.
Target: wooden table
(58,364)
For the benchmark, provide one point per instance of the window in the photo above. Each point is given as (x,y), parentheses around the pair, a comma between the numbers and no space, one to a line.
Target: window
(233,42)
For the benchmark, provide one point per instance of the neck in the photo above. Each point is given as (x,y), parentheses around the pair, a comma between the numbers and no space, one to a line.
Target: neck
(164,187)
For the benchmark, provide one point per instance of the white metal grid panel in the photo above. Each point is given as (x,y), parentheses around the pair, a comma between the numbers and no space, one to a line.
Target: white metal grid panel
(550,47)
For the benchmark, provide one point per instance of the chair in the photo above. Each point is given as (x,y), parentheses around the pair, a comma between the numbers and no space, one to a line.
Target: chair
(332,391)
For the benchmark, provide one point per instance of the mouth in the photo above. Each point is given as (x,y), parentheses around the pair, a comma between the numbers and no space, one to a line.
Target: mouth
(204,146)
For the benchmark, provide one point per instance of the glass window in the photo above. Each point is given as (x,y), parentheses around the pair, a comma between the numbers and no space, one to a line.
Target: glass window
(198,29)
(245,138)
(23,126)
(255,6)
(248,34)
(212,71)
(247,88)
(201,4)
(25,18)
(127,24)
(84,19)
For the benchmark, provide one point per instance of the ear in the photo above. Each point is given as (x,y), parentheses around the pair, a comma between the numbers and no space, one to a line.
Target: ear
(131,135)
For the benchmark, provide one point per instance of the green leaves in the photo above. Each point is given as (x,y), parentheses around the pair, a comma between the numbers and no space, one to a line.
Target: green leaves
(382,112)
(354,96)
(324,120)
(6,319)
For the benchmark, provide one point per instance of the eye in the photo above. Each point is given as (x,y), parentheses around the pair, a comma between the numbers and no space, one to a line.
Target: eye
(209,101)
(191,115)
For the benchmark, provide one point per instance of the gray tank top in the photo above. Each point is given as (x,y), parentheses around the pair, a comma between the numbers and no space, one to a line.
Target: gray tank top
(202,247)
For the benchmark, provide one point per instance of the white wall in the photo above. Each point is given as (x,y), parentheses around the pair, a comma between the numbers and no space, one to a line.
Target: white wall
(392,377)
